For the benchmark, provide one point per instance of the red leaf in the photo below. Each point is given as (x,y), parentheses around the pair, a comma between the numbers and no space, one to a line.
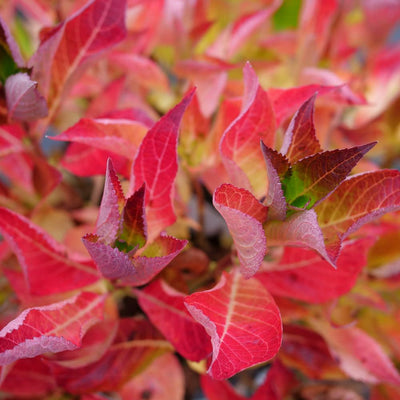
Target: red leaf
(10,139)
(300,140)
(54,328)
(46,267)
(133,270)
(240,144)
(112,203)
(219,390)
(244,215)
(162,380)
(300,229)
(276,165)
(303,275)
(306,350)
(136,344)
(358,200)
(95,343)
(156,165)
(68,47)
(29,378)
(107,99)
(24,102)
(134,227)
(313,178)
(45,177)
(276,385)
(82,160)
(166,310)
(243,321)
(288,101)
(120,133)
(359,355)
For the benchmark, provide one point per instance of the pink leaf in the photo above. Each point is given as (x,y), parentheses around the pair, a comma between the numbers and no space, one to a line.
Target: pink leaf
(82,160)
(54,328)
(120,133)
(240,144)
(302,274)
(300,229)
(315,23)
(243,321)
(300,140)
(10,44)
(156,165)
(24,102)
(46,267)
(358,200)
(359,355)
(133,270)
(288,101)
(142,70)
(276,166)
(210,79)
(166,310)
(67,48)
(234,37)
(244,215)
(162,380)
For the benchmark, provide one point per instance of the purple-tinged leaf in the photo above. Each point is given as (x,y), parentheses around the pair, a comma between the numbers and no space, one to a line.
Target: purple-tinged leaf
(244,215)
(300,140)
(243,321)
(276,165)
(156,166)
(299,229)
(133,270)
(358,200)
(153,259)
(166,310)
(111,262)
(46,267)
(240,144)
(24,102)
(313,178)
(54,328)
(112,203)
